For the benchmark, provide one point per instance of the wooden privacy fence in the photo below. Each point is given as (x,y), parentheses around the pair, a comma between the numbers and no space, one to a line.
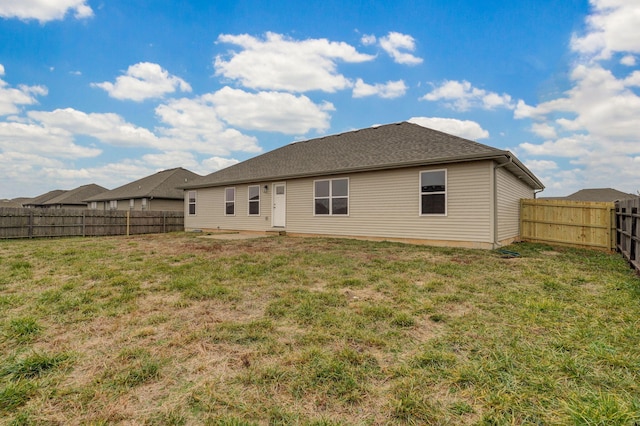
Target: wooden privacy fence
(37,223)
(574,223)
(628,230)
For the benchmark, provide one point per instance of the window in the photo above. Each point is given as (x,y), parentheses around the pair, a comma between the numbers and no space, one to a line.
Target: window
(230,202)
(254,200)
(433,192)
(113,204)
(94,205)
(192,202)
(132,204)
(144,204)
(331,197)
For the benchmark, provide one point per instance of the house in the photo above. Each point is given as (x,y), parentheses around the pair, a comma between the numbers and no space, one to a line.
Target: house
(74,199)
(399,182)
(155,192)
(41,199)
(15,203)
(596,195)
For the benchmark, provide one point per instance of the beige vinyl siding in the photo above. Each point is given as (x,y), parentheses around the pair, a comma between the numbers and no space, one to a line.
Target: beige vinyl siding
(386,204)
(156,204)
(160,204)
(510,190)
(382,204)
(210,206)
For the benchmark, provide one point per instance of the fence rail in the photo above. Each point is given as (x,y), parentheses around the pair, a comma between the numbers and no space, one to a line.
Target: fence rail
(38,223)
(573,223)
(628,231)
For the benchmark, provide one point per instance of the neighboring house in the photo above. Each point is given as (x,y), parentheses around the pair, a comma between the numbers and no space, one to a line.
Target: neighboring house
(41,199)
(74,199)
(15,203)
(155,192)
(596,194)
(400,182)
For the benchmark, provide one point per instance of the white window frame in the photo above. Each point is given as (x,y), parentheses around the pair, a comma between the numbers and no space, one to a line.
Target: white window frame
(144,204)
(94,205)
(132,204)
(445,192)
(113,205)
(232,202)
(249,200)
(331,197)
(192,203)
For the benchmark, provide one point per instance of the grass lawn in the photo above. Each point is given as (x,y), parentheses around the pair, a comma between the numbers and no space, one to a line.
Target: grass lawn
(179,329)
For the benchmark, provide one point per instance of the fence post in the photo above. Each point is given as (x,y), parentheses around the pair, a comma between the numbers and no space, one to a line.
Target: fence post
(128,221)
(612,227)
(618,226)
(634,233)
(30,224)
(164,222)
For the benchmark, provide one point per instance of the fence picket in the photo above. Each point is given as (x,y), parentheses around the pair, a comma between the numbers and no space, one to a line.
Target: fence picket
(628,231)
(574,223)
(33,223)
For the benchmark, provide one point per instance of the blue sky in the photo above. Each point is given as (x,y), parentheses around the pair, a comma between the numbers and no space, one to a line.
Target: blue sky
(106,92)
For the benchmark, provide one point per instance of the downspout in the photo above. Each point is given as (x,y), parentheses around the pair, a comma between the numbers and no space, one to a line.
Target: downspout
(495,200)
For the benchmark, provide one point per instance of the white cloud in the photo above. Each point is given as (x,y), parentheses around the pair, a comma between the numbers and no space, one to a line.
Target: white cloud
(171,159)
(462,96)
(108,128)
(270,111)
(541,166)
(398,46)
(22,138)
(12,98)
(544,130)
(281,63)
(142,81)
(628,60)
(633,79)
(216,163)
(613,26)
(369,40)
(187,160)
(194,125)
(21,173)
(573,146)
(109,175)
(598,103)
(388,90)
(44,10)
(463,128)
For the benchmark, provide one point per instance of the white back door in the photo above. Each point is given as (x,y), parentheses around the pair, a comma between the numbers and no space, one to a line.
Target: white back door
(279,205)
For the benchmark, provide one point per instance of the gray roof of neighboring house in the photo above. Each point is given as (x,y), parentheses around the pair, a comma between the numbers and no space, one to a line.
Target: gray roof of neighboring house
(76,196)
(41,199)
(376,148)
(163,184)
(599,194)
(14,203)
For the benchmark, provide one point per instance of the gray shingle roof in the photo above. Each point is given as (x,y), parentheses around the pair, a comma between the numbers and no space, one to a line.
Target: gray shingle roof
(76,196)
(599,194)
(14,203)
(163,184)
(375,148)
(41,199)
